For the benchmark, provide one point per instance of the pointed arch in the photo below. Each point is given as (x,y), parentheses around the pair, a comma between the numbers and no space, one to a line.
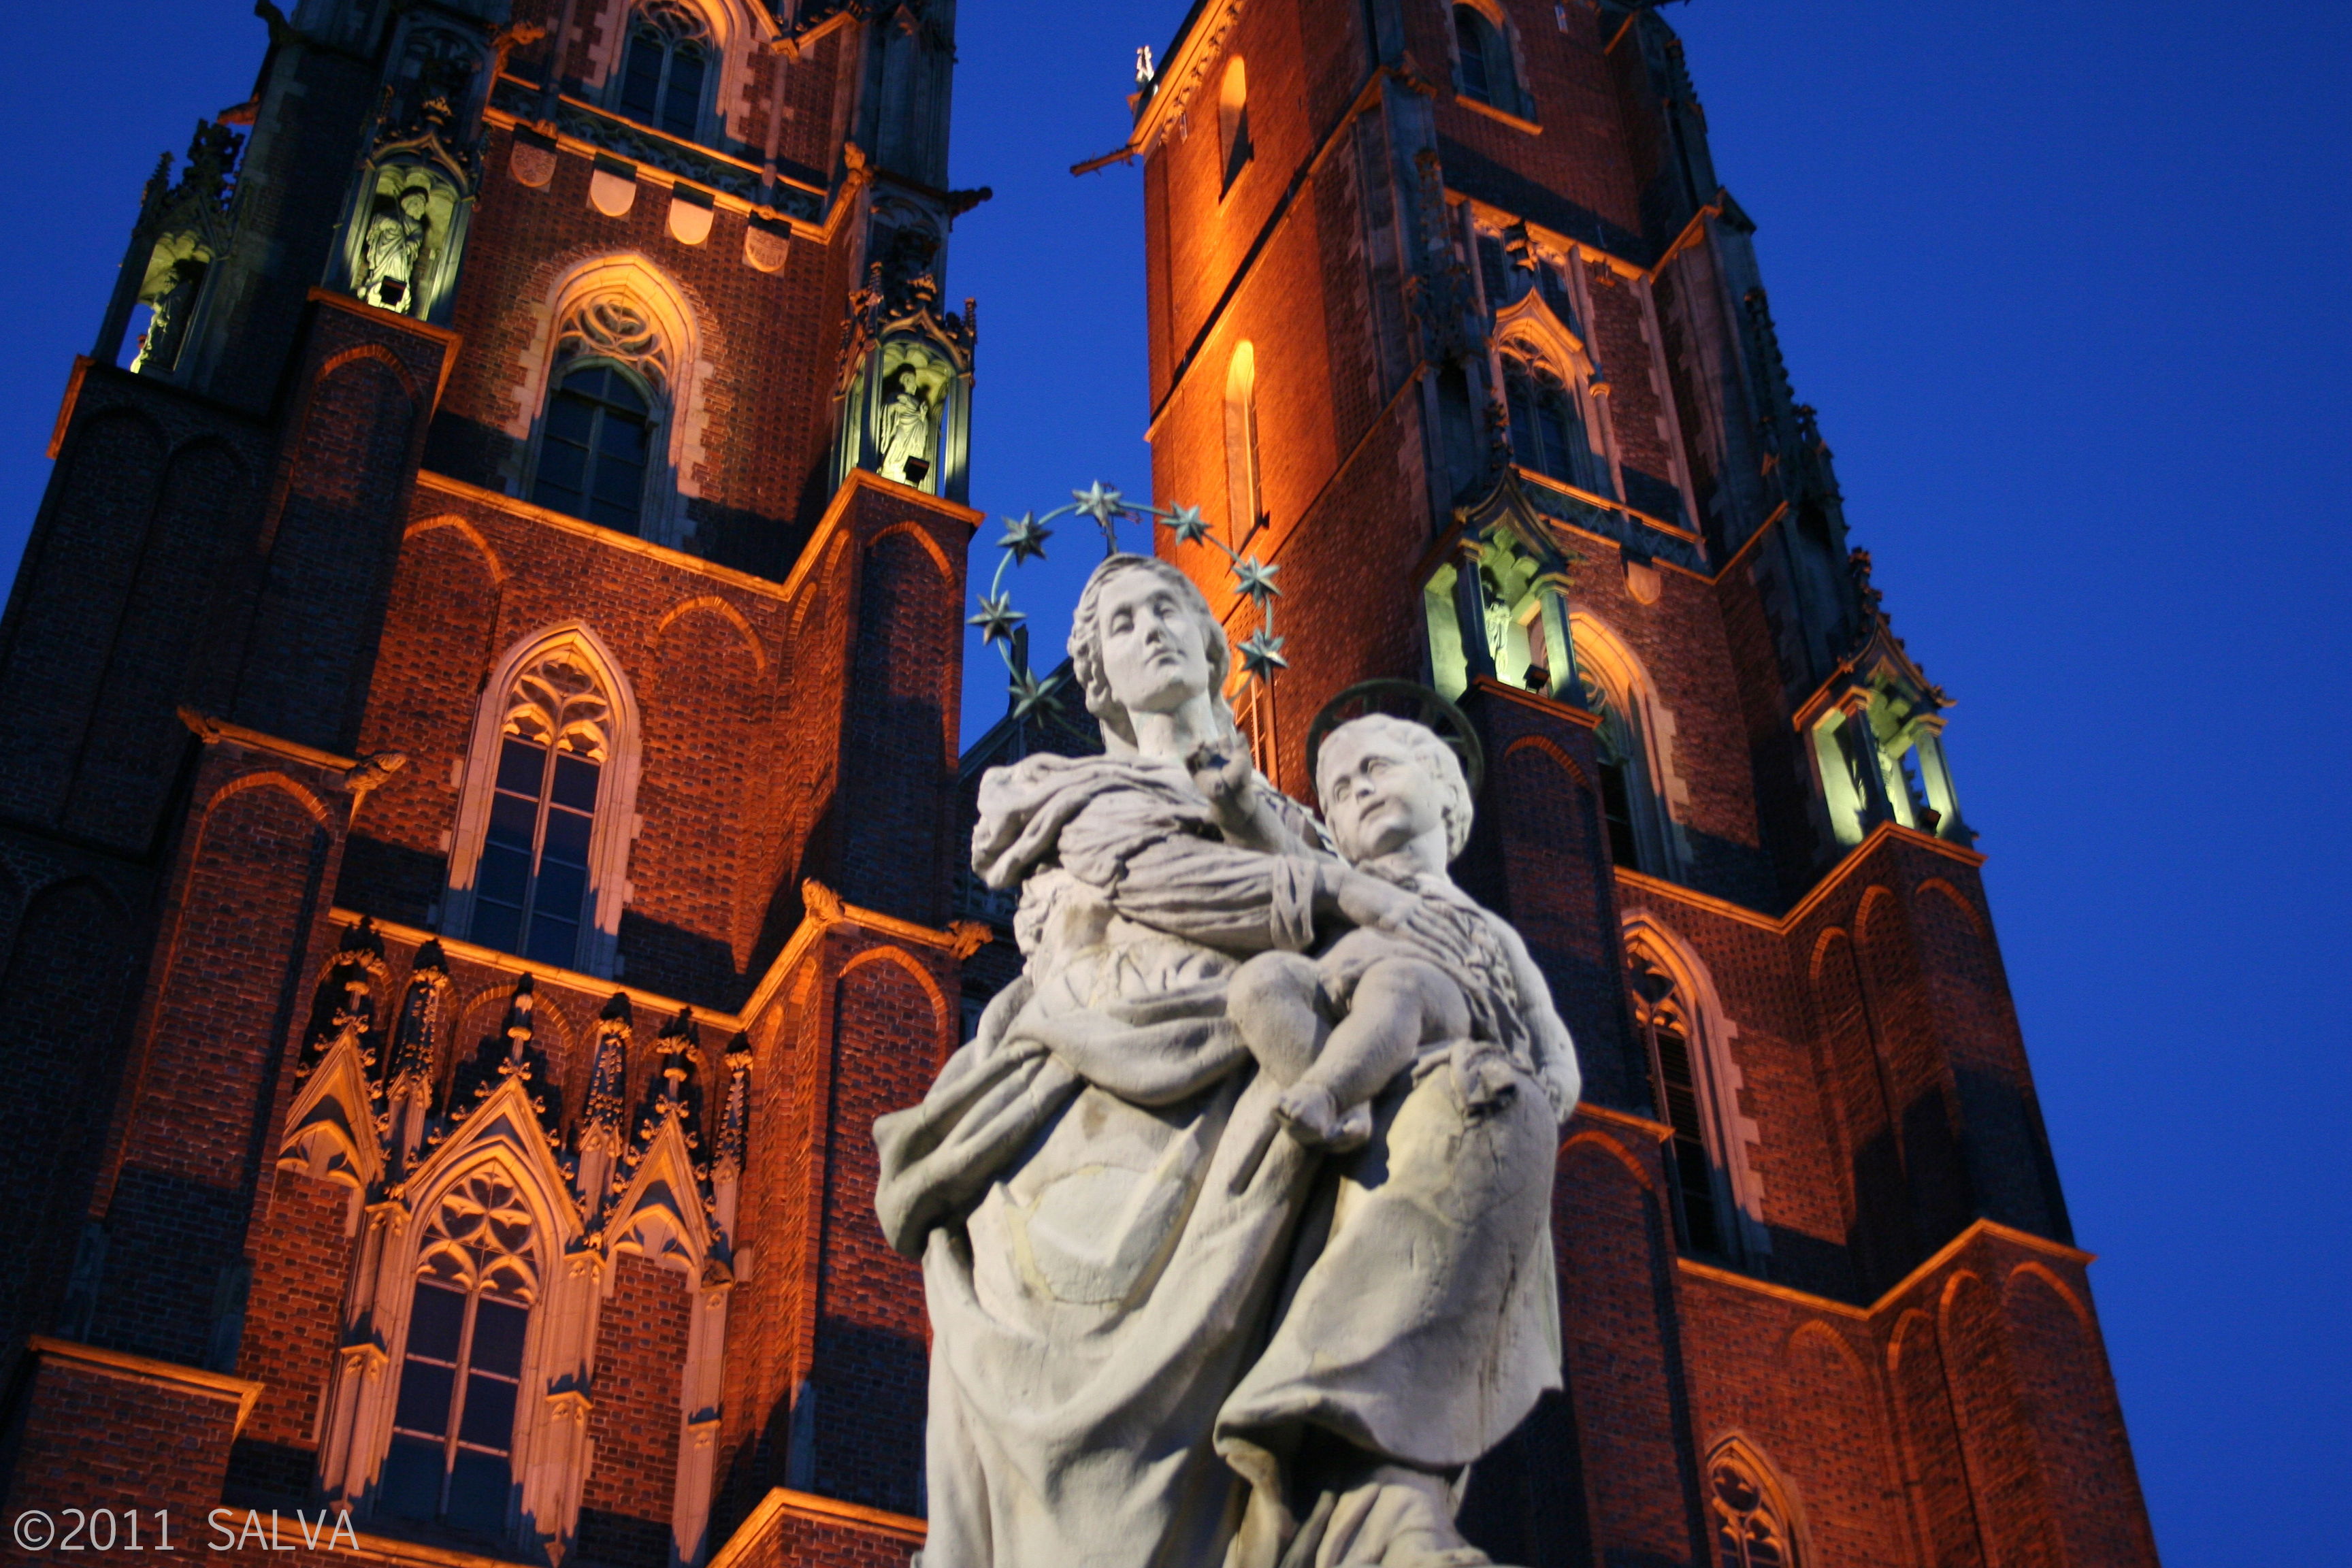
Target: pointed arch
(470,535)
(1644,792)
(1690,1014)
(711,603)
(731,31)
(1751,1510)
(562,691)
(621,312)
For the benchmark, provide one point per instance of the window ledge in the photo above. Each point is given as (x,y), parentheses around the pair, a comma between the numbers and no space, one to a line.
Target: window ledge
(1504,115)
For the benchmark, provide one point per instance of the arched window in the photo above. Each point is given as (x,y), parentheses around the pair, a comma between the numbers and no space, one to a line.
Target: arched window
(1244,481)
(595,447)
(1547,431)
(543,821)
(1483,69)
(1635,778)
(1664,1017)
(1750,1522)
(1233,122)
(452,1426)
(664,68)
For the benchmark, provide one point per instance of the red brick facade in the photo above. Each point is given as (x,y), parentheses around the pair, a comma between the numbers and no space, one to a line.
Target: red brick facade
(284,1088)
(1825,1292)
(289,597)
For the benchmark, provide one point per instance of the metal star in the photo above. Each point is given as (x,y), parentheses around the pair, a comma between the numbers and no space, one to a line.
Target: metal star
(1261,655)
(1187,523)
(1100,504)
(1032,695)
(996,618)
(1255,578)
(1025,538)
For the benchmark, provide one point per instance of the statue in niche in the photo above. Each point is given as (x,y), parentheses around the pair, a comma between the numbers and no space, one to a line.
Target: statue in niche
(395,241)
(167,328)
(1234,1212)
(905,431)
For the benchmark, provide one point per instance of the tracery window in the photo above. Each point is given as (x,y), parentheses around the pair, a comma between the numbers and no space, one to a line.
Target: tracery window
(1244,479)
(665,68)
(453,1427)
(1751,1523)
(532,888)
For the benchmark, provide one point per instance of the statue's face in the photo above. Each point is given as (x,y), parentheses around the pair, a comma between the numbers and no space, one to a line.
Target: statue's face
(1376,798)
(413,203)
(1153,653)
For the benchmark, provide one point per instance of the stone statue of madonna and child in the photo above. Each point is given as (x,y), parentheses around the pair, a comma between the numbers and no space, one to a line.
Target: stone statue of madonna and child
(1234,1212)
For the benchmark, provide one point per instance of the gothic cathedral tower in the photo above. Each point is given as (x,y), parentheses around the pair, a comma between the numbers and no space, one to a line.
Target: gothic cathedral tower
(1451,320)
(479,721)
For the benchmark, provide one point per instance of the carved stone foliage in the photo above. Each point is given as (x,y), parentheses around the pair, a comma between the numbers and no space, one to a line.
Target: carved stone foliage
(466,1176)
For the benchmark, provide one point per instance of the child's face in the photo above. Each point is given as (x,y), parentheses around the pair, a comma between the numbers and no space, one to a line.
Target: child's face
(1376,798)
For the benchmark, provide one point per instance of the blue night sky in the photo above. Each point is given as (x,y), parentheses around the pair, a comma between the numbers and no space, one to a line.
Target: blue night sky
(2067,284)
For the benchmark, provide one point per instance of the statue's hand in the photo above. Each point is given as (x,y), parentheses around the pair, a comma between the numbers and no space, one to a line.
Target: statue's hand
(1308,1113)
(1221,772)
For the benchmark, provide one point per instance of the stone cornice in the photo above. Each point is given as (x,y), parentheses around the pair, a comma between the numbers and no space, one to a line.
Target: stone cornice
(1990,1229)
(526,512)
(122,1365)
(1804,908)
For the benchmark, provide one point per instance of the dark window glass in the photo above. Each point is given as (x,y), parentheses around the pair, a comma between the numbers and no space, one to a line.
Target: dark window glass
(1552,423)
(641,75)
(1527,446)
(661,80)
(593,448)
(1678,1106)
(1470,30)
(531,889)
(682,102)
(449,1454)
(411,1487)
(1617,806)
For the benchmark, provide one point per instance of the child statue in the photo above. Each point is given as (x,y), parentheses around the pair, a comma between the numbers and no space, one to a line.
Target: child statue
(1455,984)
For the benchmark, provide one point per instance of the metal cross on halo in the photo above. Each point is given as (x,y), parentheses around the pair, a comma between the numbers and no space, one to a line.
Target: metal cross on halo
(1024,540)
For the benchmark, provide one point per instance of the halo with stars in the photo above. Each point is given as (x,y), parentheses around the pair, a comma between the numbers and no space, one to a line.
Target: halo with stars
(1024,540)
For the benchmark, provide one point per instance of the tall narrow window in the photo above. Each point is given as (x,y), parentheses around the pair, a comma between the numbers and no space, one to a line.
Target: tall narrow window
(1663,1015)
(1233,122)
(662,72)
(1485,73)
(453,1427)
(1548,433)
(595,446)
(1244,481)
(535,854)
(1636,772)
(1617,797)
(532,885)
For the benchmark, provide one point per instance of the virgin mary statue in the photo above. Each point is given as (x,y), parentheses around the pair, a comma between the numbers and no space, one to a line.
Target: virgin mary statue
(1110,1226)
